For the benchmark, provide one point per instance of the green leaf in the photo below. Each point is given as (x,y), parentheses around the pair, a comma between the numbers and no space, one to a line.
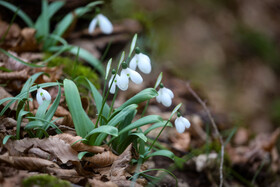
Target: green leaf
(83,124)
(20,13)
(158,80)
(165,153)
(42,109)
(82,154)
(42,125)
(53,108)
(21,114)
(98,99)
(142,96)
(108,68)
(141,122)
(157,125)
(88,57)
(140,135)
(33,124)
(132,45)
(19,60)
(30,82)
(116,120)
(103,129)
(6,138)
(175,110)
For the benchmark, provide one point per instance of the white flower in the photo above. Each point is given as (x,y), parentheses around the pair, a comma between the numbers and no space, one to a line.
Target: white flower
(42,95)
(127,73)
(103,22)
(142,61)
(181,124)
(165,96)
(114,84)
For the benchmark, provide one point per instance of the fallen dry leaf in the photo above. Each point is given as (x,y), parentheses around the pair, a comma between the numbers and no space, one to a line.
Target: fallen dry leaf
(57,148)
(29,163)
(101,159)
(79,146)
(15,75)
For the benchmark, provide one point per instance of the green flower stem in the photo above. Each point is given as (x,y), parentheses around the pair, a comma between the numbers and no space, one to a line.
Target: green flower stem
(104,99)
(159,134)
(113,101)
(137,171)
(146,106)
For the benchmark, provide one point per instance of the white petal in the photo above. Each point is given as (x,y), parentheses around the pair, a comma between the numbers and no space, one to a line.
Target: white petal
(169,92)
(46,95)
(123,81)
(186,122)
(180,127)
(105,25)
(158,98)
(135,76)
(92,25)
(133,62)
(166,99)
(39,97)
(144,63)
(113,88)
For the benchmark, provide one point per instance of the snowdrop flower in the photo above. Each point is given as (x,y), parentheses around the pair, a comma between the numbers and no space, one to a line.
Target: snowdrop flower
(181,123)
(103,22)
(42,95)
(127,74)
(114,84)
(165,96)
(142,61)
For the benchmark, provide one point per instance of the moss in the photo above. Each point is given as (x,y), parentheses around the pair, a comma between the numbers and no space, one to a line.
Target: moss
(73,69)
(45,180)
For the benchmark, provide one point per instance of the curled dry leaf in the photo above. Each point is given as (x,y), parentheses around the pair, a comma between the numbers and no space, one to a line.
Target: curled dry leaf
(79,146)
(57,148)
(13,64)
(101,159)
(27,42)
(29,163)
(15,75)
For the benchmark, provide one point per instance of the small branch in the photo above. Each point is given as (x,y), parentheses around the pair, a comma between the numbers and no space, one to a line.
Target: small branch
(215,128)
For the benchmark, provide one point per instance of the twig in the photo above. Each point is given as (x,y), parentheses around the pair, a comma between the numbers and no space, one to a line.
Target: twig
(215,128)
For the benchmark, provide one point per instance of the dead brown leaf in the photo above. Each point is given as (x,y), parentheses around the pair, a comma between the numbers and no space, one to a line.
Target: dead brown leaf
(15,75)
(27,41)
(79,146)
(29,163)
(101,159)
(57,148)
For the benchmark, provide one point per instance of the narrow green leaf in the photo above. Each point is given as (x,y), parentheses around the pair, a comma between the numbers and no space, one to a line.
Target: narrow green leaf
(20,13)
(103,129)
(42,109)
(142,96)
(53,108)
(116,120)
(6,138)
(83,124)
(141,122)
(83,139)
(82,154)
(157,125)
(98,99)
(132,45)
(175,110)
(165,153)
(21,114)
(158,80)
(140,135)
(19,60)
(88,57)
